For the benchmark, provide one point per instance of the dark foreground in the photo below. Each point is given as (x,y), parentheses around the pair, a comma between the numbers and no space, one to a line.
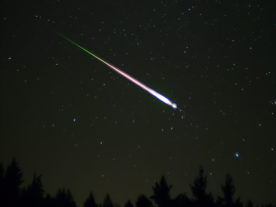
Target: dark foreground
(13,195)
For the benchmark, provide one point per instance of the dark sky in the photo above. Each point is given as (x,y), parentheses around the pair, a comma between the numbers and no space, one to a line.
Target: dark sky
(82,126)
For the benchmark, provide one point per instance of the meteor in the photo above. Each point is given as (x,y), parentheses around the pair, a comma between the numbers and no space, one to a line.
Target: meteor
(127,76)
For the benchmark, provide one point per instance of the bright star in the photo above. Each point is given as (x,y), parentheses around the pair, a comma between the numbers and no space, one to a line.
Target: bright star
(236,154)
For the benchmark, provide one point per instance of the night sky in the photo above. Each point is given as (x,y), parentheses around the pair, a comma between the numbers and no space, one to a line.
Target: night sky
(82,126)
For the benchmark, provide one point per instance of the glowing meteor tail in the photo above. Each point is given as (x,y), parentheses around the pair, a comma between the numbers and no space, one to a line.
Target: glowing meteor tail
(127,76)
(163,98)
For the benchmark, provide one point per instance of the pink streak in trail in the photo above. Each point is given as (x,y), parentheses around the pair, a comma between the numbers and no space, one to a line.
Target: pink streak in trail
(128,76)
(138,83)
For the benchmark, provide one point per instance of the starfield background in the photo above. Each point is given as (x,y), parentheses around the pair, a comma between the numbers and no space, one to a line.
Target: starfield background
(83,127)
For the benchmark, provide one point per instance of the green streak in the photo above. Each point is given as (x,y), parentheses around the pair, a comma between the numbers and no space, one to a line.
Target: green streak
(82,48)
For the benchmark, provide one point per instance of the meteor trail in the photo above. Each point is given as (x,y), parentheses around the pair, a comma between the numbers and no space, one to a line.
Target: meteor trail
(130,78)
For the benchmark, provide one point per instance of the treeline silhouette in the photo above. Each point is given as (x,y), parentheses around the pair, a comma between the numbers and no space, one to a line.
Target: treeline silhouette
(13,195)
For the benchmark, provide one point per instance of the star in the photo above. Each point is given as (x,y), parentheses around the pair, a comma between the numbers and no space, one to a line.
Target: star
(236,155)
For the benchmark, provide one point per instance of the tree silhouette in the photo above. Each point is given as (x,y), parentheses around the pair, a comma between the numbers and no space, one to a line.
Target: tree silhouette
(238,203)
(2,172)
(64,198)
(12,195)
(128,204)
(107,201)
(182,200)
(143,201)
(228,190)
(33,194)
(249,204)
(11,184)
(199,190)
(49,201)
(90,201)
(161,193)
